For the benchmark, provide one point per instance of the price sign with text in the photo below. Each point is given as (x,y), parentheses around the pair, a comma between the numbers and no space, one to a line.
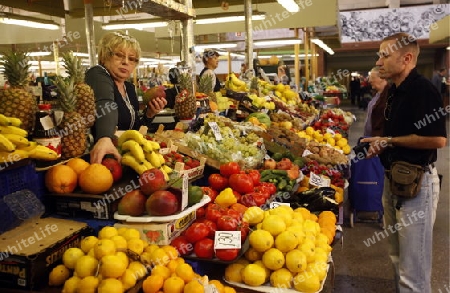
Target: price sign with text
(275,204)
(184,192)
(216,130)
(318,180)
(306,153)
(227,239)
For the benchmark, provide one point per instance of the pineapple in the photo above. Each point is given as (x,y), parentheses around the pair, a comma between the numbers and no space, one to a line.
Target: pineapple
(72,130)
(254,85)
(16,101)
(185,102)
(205,86)
(83,92)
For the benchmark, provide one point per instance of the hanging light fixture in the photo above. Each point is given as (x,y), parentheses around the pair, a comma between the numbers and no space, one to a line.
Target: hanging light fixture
(135,24)
(8,18)
(227,17)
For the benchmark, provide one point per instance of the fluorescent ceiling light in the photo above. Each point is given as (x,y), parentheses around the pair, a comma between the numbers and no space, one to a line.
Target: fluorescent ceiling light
(322,45)
(278,42)
(28,21)
(39,53)
(139,25)
(289,5)
(153,60)
(303,55)
(227,17)
(200,48)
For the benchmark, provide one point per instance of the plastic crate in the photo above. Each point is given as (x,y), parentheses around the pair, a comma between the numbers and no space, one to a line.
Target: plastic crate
(19,178)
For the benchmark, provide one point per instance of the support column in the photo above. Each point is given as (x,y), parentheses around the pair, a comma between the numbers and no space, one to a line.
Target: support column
(248,34)
(307,74)
(297,62)
(187,44)
(56,57)
(90,38)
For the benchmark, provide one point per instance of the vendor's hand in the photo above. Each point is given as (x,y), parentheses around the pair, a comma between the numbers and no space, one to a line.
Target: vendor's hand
(103,147)
(155,106)
(377,145)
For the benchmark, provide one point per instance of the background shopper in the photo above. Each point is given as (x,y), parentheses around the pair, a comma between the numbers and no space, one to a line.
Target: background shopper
(409,137)
(211,61)
(375,121)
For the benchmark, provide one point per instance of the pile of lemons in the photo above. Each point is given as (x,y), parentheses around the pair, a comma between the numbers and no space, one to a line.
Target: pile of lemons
(334,140)
(116,259)
(287,249)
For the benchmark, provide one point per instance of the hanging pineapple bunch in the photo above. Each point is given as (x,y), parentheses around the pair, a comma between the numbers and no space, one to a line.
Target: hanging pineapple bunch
(71,128)
(17,101)
(84,94)
(185,102)
(205,86)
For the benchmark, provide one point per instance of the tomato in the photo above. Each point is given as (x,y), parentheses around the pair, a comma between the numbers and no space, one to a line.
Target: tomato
(233,213)
(239,208)
(230,168)
(245,229)
(218,182)
(270,187)
(227,223)
(227,254)
(259,198)
(248,200)
(263,190)
(196,232)
(210,192)
(211,226)
(255,175)
(200,213)
(242,183)
(237,195)
(182,245)
(214,211)
(204,248)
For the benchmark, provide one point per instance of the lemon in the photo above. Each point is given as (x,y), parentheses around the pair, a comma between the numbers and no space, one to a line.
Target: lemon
(131,233)
(274,224)
(318,268)
(174,285)
(321,238)
(253,275)
(324,246)
(58,275)
(121,230)
(160,270)
(86,266)
(286,241)
(308,248)
(309,130)
(107,232)
(136,245)
(327,135)
(303,211)
(194,286)
(243,260)
(123,256)
(228,289)
(87,243)
(285,212)
(71,285)
(88,284)
(104,247)
(310,226)
(320,254)
(281,278)
(261,240)
(331,141)
(145,257)
(233,272)
(159,256)
(337,136)
(151,247)
(138,268)
(171,251)
(153,284)
(267,270)
(296,261)
(253,215)
(128,279)
(273,259)
(306,282)
(298,233)
(71,256)
(346,149)
(253,255)
(91,252)
(110,285)
(342,142)
(185,272)
(120,242)
(112,266)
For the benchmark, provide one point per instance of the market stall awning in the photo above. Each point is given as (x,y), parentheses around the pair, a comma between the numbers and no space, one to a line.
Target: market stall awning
(440,31)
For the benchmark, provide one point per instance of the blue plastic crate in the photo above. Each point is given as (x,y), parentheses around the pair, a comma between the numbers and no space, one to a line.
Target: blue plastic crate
(19,178)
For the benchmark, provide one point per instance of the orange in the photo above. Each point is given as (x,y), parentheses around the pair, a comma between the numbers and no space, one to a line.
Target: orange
(152,284)
(185,272)
(171,251)
(174,285)
(78,165)
(219,286)
(96,179)
(194,286)
(61,179)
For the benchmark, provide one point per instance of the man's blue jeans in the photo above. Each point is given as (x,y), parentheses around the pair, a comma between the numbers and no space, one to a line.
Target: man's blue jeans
(410,224)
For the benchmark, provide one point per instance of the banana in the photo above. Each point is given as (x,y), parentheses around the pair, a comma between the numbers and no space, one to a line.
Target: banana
(167,169)
(147,146)
(31,146)
(131,135)
(13,130)
(4,120)
(147,165)
(6,145)
(15,121)
(135,149)
(166,176)
(130,161)
(41,152)
(11,157)
(153,158)
(155,145)
(162,161)
(18,140)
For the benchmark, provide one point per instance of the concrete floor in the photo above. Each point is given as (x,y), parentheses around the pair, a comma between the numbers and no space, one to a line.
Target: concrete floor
(362,269)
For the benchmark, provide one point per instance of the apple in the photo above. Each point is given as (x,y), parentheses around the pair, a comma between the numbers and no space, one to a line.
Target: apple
(162,203)
(152,180)
(132,203)
(114,166)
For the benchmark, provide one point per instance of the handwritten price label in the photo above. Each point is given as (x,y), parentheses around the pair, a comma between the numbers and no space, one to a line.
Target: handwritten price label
(306,153)
(216,130)
(318,180)
(275,204)
(184,191)
(227,239)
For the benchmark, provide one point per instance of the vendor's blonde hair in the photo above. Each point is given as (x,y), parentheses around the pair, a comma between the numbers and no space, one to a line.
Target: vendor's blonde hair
(112,41)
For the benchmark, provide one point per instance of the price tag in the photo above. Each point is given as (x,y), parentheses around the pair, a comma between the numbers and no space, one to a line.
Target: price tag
(264,110)
(275,204)
(318,180)
(267,157)
(306,153)
(216,130)
(227,239)
(47,122)
(184,191)
(354,117)
(329,130)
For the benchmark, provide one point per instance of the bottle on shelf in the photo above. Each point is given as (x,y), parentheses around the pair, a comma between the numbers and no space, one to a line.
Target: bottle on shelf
(45,132)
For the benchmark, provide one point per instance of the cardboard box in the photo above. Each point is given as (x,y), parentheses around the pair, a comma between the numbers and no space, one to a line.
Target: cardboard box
(30,251)
(161,233)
